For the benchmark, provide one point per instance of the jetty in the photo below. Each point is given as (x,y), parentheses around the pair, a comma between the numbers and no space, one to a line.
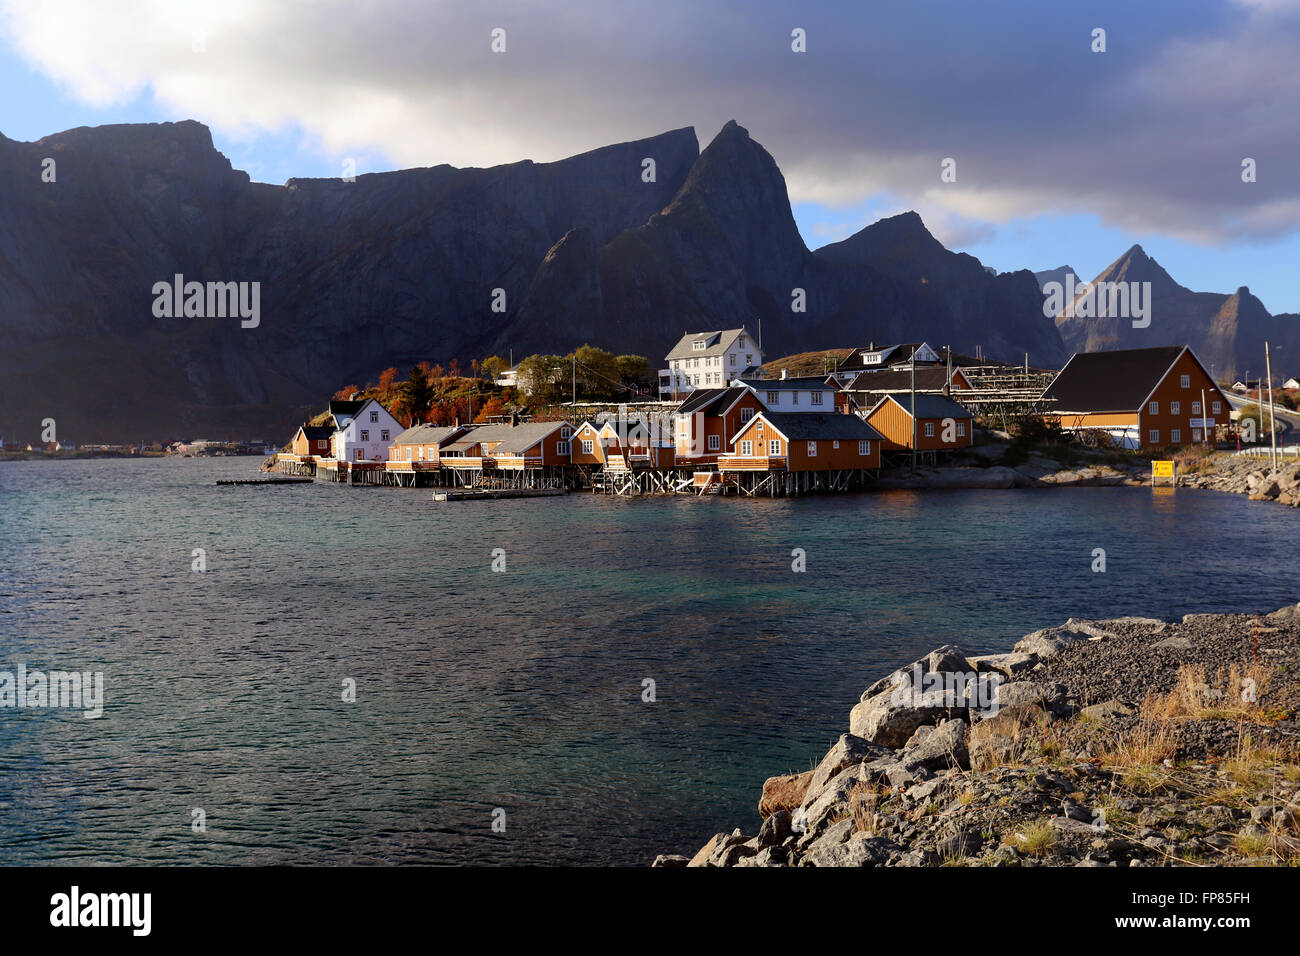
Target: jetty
(264,481)
(476,494)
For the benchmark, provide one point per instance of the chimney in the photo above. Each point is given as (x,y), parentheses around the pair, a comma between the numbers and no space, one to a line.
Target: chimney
(514,418)
(785,372)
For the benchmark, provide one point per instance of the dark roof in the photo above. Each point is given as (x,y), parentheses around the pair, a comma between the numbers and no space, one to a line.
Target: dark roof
(316,432)
(710,401)
(798,426)
(928,378)
(349,408)
(1114,381)
(929,406)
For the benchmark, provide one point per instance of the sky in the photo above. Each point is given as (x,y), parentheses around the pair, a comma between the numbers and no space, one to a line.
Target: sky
(1064,154)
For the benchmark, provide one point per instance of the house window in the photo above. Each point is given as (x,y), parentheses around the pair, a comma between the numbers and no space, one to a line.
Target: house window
(864,447)
(561,447)
(733,358)
(773,398)
(929,429)
(812,449)
(794,398)
(961,429)
(749,359)
(1175,408)
(383,434)
(374,418)
(747,448)
(746,414)
(1153,436)
(1216,407)
(1176,435)
(774,448)
(408,452)
(715,442)
(699,346)
(566,432)
(1154,408)
(835,444)
(740,340)
(818,397)
(359,454)
(1196,408)
(587,447)
(365,434)
(1185,381)
(1196,434)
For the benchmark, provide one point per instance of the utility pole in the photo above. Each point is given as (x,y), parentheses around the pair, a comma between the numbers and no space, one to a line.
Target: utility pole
(1272,421)
(913,411)
(1205,419)
(575,380)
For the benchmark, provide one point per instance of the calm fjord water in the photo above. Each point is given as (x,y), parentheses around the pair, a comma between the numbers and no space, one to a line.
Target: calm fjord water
(523,689)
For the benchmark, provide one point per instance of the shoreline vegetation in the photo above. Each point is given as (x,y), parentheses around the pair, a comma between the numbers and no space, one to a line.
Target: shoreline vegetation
(1123,742)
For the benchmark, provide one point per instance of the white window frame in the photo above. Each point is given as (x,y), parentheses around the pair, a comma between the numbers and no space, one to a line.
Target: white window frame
(1153,408)
(746,414)
(774,448)
(773,398)
(1153,436)
(588,446)
(1175,436)
(1175,408)
(1185,381)
(1216,408)
(562,448)
(1196,408)
(812,449)
(747,449)
(374,418)
(818,398)
(929,429)
(365,434)
(715,442)
(383,434)
(864,446)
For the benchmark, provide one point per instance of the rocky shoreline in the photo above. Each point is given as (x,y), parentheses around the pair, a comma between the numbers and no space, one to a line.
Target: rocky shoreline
(1119,742)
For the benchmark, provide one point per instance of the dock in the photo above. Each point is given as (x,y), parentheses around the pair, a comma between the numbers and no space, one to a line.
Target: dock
(476,494)
(265,481)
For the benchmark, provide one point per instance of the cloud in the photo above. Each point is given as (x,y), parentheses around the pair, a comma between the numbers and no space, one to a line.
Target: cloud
(1149,136)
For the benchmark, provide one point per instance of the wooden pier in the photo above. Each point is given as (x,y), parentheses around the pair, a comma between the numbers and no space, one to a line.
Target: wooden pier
(265,481)
(476,494)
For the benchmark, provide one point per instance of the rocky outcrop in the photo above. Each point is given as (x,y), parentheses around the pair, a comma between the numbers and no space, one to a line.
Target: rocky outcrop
(1036,767)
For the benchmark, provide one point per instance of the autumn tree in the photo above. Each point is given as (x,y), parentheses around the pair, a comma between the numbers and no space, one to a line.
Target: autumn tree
(633,369)
(493,366)
(345,393)
(492,408)
(386,379)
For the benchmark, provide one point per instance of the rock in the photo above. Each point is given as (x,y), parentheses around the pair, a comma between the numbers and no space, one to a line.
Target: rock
(893,708)
(941,748)
(847,751)
(668,860)
(1285,614)
(1076,811)
(834,798)
(775,829)
(1174,644)
(705,852)
(1028,693)
(964,841)
(1008,665)
(783,793)
(1107,709)
(947,659)
(859,850)
(1049,641)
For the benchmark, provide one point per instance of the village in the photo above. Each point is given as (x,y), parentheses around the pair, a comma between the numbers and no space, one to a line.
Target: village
(724,426)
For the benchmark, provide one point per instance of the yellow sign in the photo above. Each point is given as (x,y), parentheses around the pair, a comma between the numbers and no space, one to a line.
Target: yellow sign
(1162,469)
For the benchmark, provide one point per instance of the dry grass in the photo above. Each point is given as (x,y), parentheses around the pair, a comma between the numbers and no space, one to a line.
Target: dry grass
(1037,839)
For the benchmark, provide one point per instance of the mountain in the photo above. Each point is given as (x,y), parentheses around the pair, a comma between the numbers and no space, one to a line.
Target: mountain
(1227,331)
(1056,275)
(398,267)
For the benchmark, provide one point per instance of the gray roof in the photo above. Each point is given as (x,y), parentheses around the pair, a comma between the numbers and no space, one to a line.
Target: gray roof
(800,426)
(717,343)
(427,434)
(710,401)
(520,438)
(929,406)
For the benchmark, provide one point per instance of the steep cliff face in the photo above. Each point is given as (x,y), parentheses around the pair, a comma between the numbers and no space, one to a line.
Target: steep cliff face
(1227,332)
(398,267)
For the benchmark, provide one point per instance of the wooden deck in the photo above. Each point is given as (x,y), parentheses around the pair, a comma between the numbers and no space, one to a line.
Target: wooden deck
(475,494)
